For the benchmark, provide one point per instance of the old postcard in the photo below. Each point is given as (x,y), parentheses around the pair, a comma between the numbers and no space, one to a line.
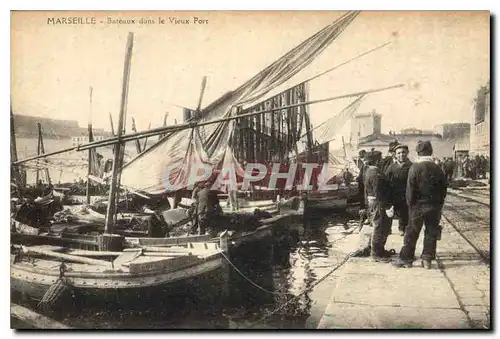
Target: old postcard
(250,170)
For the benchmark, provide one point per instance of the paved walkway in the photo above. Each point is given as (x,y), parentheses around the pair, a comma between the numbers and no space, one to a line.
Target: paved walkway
(454,294)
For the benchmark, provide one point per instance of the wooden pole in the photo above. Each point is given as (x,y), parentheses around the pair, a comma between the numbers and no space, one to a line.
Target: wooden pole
(15,170)
(307,123)
(111,123)
(38,152)
(160,136)
(42,151)
(89,171)
(68,257)
(203,85)
(146,139)
(137,142)
(190,125)
(343,145)
(91,138)
(35,319)
(109,226)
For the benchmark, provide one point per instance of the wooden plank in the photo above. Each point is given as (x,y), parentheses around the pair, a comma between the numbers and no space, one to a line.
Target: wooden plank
(169,264)
(34,319)
(126,257)
(199,246)
(167,249)
(86,253)
(47,239)
(165,254)
(173,240)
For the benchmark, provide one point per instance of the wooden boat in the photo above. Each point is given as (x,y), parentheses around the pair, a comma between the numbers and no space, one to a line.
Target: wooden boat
(35,269)
(280,221)
(332,200)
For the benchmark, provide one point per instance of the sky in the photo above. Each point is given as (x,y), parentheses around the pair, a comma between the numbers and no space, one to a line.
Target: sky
(441,57)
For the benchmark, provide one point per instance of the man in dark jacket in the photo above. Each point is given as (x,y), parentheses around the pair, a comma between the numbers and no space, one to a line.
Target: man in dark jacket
(361,185)
(376,192)
(425,194)
(389,159)
(208,206)
(449,168)
(397,176)
(361,156)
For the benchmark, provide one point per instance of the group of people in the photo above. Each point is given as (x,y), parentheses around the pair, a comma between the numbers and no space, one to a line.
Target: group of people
(475,167)
(414,193)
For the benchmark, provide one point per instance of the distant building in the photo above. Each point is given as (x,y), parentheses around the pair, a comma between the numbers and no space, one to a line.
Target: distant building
(454,131)
(83,138)
(443,147)
(365,124)
(481,134)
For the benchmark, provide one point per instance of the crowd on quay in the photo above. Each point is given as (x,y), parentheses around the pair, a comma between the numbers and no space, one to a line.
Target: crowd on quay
(414,193)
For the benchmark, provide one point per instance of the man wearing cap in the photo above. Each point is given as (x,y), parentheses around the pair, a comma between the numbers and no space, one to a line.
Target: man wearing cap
(397,176)
(425,194)
(389,159)
(361,156)
(376,191)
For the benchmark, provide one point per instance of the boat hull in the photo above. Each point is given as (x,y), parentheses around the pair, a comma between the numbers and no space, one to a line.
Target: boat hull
(129,292)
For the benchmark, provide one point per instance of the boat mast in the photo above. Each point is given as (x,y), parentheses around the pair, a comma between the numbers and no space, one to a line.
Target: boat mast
(146,139)
(117,161)
(307,121)
(343,145)
(91,138)
(41,150)
(111,123)
(15,171)
(137,142)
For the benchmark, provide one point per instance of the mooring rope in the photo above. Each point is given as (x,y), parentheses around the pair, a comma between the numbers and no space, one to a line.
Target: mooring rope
(249,280)
(317,282)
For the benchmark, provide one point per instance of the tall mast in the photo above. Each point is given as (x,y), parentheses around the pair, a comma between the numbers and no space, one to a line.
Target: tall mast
(137,142)
(91,138)
(15,171)
(41,150)
(117,161)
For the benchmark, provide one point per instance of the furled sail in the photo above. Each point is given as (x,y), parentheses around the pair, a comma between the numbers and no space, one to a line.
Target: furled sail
(173,157)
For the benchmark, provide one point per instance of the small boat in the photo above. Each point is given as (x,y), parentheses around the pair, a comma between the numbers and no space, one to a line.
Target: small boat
(332,200)
(75,237)
(39,272)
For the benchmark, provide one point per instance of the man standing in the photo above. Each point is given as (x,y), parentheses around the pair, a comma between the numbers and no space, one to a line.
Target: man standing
(208,207)
(347,176)
(360,180)
(194,207)
(449,168)
(466,167)
(425,194)
(376,191)
(362,154)
(389,159)
(397,176)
